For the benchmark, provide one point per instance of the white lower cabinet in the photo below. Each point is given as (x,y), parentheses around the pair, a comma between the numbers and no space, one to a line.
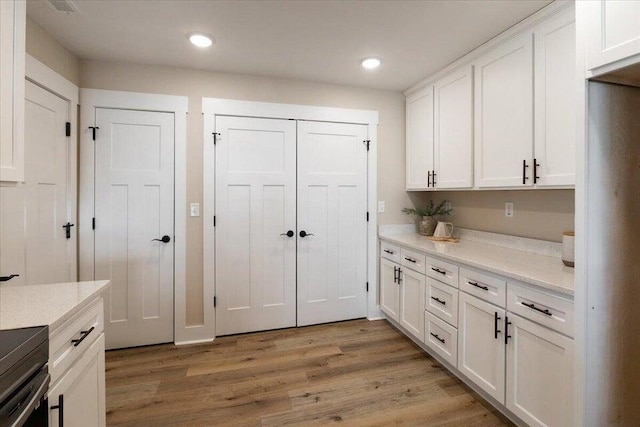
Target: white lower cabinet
(78,398)
(412,289)
(481,355)
(389,289)
(539,374)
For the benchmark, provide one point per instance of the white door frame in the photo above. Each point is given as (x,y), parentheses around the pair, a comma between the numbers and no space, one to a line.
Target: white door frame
(212,107)
(43,76)
(90,99)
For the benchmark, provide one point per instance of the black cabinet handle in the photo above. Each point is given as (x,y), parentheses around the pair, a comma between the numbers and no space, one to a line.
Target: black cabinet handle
(84,334)
(439,300)
(478,286)
(9,277)
(496,331)
(305,234)
(506,330)
(429,179)
(410,260)
(437,270)
(524,172)
(538,309)
(395,278)
(535,171)
(67,228)
(165,239)
(399,276)
(388,251)
(289,233)
(433,184)
(437,337)
(60,408)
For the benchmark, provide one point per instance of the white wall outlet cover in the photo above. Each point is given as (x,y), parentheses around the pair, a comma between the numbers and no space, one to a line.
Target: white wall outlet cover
(508,209)
(447,206)
(195,209)
(381,206)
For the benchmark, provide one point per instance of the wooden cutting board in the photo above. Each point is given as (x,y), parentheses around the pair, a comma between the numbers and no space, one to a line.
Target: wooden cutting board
(444,239)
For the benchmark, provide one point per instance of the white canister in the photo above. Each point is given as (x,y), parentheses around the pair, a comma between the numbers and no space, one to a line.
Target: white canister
(568,248)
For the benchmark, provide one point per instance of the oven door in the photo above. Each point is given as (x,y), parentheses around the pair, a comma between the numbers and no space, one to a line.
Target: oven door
(27,406)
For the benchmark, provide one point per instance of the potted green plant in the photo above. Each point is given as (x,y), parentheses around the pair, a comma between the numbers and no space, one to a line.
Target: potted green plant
(425,216)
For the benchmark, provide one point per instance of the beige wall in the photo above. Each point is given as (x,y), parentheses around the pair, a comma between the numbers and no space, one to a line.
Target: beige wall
(47,50)
(198,84)
(538,214)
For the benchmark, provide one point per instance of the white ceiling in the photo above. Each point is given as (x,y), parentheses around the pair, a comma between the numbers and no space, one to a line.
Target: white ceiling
(309,40)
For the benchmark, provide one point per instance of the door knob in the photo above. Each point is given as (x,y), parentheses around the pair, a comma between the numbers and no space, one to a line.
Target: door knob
(289,233)
(9,277)
(305,234)
(67,228)
(165,239)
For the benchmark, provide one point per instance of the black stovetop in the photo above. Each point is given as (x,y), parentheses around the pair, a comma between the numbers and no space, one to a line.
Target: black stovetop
(17,343)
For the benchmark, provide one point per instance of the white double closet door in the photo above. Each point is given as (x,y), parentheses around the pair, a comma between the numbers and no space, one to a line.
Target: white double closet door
(290,223)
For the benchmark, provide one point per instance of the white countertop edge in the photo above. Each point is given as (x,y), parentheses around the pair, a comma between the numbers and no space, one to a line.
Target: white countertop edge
(80,306)
(554,287)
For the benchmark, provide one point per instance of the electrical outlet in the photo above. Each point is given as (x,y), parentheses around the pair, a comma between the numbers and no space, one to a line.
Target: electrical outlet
(195,209)
(447,206)
(381,206)
(508,209)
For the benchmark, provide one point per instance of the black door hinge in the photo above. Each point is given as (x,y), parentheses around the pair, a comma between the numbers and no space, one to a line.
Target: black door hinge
(93,223)
(367,286)
(93,129)
(214,301)
(215,137)
(367,216)
(214,220)
(67,129)
(367,142)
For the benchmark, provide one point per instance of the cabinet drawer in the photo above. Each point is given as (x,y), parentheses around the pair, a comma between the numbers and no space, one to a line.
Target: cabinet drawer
(413,260)
(65,345)
(442,301)
(549,310)
(442,271)
(390,251)
(488,288)
(441,338)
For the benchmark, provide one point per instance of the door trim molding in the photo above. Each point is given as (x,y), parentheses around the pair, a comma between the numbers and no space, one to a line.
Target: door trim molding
(90,99)
(48,79)
(212,107)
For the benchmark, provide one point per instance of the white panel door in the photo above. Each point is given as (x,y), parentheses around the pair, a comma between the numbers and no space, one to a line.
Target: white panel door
(481,352)
(389,289)
(503,115)
(33,242)
(453,130)
(134,210)
(555,107)
(332,201)
(412,302)
(539,374)
(419,139)
(255,208)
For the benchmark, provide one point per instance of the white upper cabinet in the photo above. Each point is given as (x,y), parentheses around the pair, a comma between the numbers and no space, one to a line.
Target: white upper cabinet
(613,31)
(555,111)
(504,115)
(12,62)
(419,136)
(453,130)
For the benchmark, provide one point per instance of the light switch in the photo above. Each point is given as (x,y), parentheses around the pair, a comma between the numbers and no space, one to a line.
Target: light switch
(195,209)
(381,206)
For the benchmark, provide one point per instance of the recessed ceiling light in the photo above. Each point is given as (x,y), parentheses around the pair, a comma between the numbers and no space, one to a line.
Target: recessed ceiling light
(370,63)
(201,40)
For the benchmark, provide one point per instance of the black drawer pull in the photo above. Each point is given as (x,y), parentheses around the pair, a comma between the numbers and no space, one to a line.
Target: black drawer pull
(437,337)
(389,252)
(478,286)
(9,277)
(410,260)
(533,307)
(76,342)
(439,300)
(496,331)
(437,270)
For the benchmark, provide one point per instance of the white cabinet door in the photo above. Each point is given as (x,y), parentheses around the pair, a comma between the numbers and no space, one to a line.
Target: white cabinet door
(613,31)
(412,305)
(481,353)
(539,374)
(555,107)
(453,130)
(389,289)
(503,115)
(419,139)
(12,59)
(79,397)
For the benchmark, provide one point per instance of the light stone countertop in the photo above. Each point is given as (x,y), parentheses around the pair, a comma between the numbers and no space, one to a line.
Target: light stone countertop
(547,272)
(23,306)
